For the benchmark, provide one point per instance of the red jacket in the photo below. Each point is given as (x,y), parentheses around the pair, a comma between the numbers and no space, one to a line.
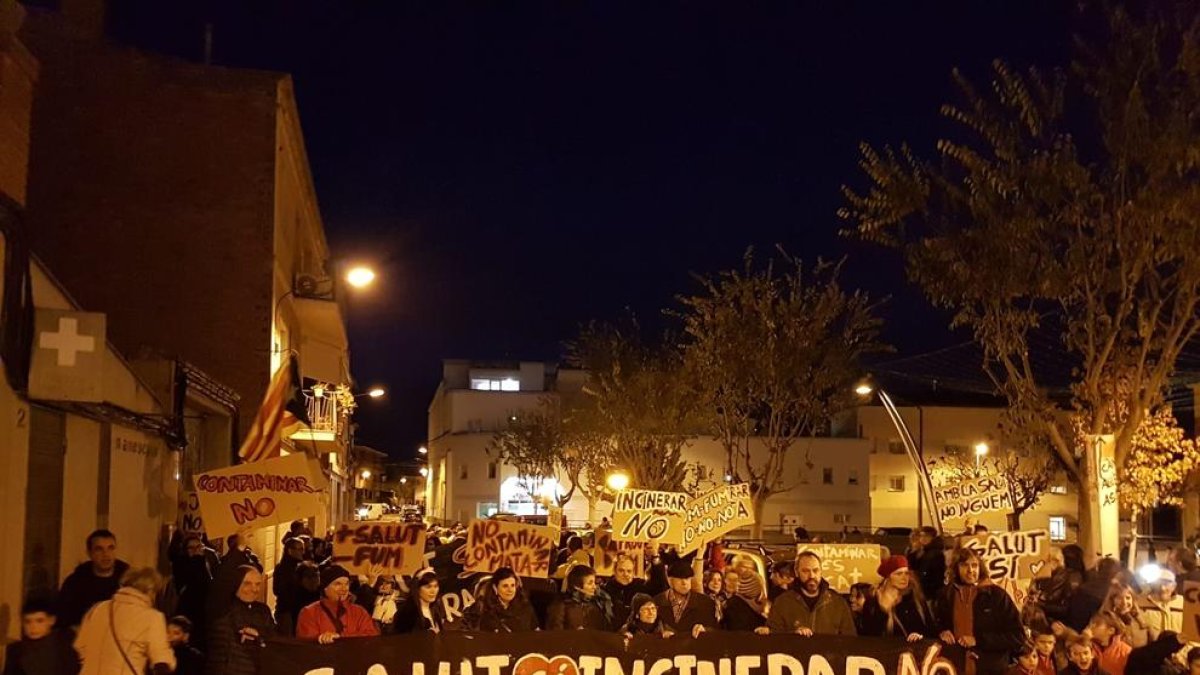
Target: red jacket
(317,618)
(1112,658)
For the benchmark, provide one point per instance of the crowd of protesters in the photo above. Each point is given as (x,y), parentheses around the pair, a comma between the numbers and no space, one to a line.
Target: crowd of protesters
(208,616)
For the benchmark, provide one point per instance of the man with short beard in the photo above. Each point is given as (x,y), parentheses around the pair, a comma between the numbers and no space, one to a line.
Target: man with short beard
(622,586)
(811,607)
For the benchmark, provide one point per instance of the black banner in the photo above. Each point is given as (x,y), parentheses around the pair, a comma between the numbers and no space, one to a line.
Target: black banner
(584,652)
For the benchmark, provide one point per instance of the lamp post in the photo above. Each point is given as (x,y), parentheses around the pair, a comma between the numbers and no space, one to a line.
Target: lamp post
(617,481)
(924,483)
(981,451)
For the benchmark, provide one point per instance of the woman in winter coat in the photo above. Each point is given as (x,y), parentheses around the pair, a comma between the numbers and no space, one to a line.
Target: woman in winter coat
(978,615)
(335,615)
(126,634)
(643,618)
(897,607)
(423,612)
(502,607)
(714,588)
(584,605)
(237,636)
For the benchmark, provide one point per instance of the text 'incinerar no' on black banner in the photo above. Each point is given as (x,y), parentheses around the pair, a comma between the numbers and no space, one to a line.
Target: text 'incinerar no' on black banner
(583,652)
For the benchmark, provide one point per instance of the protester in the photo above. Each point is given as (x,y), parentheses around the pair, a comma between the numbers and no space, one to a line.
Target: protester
(1160,607)
(1121,604)
(192,575)
(812,609)
(228,576)
(1027,660)
(858,600)
(897,607)
(623,585)
(1081,657)
(502,607)
(188,659)
(643,618)
(746,609)
(126,634)
(783,575)
(42,650)
(1089,597)
(574,554)
(335,615)
(1111,650)
(927,560)
(978,615)
(285,582)
(683,611)
(93,581)
(1156,658)
(714,588)
(1047,656)
(1182,561)
(387,602)
(583,605)
(238,634)
(1054,592)
(422,612)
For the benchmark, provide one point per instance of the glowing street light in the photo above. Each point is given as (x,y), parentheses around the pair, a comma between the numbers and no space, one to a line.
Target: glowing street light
(423,450)
(424,471)
(981,450)
(366,473)
(863,389)
(376,392)
(403,480)
(360,277)
(617,480)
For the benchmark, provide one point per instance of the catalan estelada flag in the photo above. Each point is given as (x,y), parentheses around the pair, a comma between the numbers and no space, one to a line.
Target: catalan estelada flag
(282,412)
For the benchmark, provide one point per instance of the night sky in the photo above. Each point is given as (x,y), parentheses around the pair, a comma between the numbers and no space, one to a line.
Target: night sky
(517,168)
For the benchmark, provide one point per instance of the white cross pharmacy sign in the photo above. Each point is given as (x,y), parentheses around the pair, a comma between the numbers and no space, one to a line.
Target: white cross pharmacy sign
(68,356)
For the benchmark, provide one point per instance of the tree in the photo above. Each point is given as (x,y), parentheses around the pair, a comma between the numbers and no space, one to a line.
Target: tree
(1028,471)
(533,443)
(639,401)
(1082,223)
(773,352)
(590,453)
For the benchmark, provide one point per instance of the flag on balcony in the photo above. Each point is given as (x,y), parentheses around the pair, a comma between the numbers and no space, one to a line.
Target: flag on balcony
(283,410)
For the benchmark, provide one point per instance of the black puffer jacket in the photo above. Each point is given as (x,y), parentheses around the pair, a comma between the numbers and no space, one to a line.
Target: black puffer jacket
(573,611)
(488,618)
(228,654)
(909,618)
(929,565)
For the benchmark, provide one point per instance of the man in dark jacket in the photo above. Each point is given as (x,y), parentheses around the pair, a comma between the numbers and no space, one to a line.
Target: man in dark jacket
(239,632)
(622,586)
(979,616)
(927,559)
(286,583)
(682,610)
(811,607)
(226,578)
(92,582)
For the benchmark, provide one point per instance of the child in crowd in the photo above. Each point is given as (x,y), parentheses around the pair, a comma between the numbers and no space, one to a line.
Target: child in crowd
(41,649)
(1111,650)
(188,659)
(858,598)
(1027,660)
(1047,660)
(1081,658)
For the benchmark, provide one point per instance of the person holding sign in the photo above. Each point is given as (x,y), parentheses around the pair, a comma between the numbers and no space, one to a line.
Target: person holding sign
(897,607)
(813,609)
(502,607)
(979,616)
(335,615)
(682,610)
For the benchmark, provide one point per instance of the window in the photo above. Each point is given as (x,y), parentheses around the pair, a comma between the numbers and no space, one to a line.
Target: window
(491,471)
(462,472)
(852,477)
(486,509)
(896,484)
(1058,489)
(827,476)
(490,384)
(1058,528)
(896,446)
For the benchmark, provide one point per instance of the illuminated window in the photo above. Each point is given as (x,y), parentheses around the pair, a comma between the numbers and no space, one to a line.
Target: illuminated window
(1058,489)
(488,384)
(1058,528)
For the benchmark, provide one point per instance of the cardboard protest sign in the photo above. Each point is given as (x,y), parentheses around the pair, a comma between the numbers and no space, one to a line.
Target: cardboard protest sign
(1191,611)
(607,550)
(649,515)
(380,547)
(974,497)
(717,512)
(1013,559)
(492,544)
(258,494)
(843,565)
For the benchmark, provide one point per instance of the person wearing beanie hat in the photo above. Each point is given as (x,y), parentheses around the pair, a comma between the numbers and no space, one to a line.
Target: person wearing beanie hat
(1160,608)
(643,618)
(897,606)
(335,615)
(681,609)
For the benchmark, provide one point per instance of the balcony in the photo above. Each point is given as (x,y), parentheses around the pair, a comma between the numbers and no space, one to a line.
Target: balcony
(329,411)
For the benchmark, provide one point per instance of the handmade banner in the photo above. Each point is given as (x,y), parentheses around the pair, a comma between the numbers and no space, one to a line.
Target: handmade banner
(1191,611)
(373,548)
(492,544)
(843,565)
(607,550)
(258,494)
(649,515)
(1013,559)
(717,512)
(974,497)
(589,652)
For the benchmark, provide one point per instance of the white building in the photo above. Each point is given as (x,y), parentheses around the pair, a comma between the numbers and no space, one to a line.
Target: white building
(476,399)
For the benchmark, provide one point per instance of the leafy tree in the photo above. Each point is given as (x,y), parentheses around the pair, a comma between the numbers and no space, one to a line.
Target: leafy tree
(773,352)
(1028,470)
(533,443)
(1081,222)
(638,400)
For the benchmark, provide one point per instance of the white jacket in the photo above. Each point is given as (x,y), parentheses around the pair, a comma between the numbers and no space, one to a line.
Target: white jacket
(141,630)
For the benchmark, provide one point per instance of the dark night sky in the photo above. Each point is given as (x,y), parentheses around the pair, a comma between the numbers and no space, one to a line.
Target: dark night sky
(518,168)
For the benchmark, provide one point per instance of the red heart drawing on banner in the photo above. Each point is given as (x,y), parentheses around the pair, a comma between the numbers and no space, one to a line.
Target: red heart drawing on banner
(536,664)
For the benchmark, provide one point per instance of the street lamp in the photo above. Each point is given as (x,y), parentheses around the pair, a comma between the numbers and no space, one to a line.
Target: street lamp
(423,450)
(360,276)
(424,471)
(981,450)
(366,473)
(376,392)
(403,480)
(924,483)
(617,481)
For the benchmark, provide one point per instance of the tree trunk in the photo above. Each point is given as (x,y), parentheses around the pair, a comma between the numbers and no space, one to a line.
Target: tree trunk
(1133,536)
(1014,522)
(1089,509)
(591,500)
(759,502)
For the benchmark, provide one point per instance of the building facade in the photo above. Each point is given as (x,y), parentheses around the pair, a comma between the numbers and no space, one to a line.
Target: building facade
(829,476)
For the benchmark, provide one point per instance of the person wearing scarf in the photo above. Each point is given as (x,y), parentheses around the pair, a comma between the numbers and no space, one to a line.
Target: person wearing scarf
(583,606)
(643,618)
(746,609)
(335,615)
